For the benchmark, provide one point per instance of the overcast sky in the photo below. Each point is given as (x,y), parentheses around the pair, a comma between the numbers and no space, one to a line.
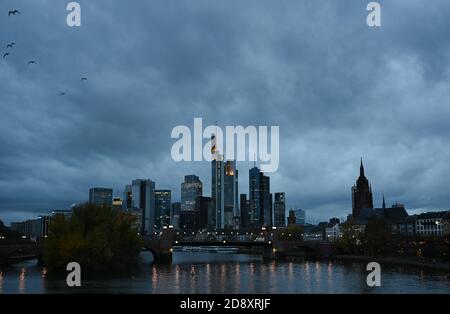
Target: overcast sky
(338,89)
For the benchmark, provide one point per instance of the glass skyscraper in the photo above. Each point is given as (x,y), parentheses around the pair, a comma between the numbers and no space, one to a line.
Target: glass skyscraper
(191,188)
(217,193)
(231,200)
(101,196)
(162,207)
(279,210)
(260,199)
(143,197)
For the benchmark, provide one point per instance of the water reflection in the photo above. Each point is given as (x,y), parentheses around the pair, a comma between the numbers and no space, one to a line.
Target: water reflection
(231,273)
(22,281)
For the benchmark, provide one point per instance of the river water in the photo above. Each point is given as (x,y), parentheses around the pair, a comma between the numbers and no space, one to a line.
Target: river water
(199,272)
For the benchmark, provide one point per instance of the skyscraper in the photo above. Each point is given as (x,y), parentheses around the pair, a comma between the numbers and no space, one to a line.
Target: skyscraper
(260,198)
(175,215)
(217,193)
(292,220)
(101,196)
(127,197)
(162,207)
(361,194)
(191,188)
(231,201)
(245,211)
(279,210)
(143,197)
(203,210)
(300,215)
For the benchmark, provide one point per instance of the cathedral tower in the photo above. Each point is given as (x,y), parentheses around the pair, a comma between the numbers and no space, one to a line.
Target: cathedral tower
(361,194)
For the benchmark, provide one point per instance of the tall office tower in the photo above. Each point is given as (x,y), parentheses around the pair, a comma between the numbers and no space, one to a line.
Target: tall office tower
(260,199)
(143,197)
(300,215)
(187,220)
(279,209)
(203,209)
(127,197)
(217,184)
(101,196)
(292,220)
(217,192)
(245,211)
(191,188)
(361,194)
(175,215)
(162,207)
(230,196)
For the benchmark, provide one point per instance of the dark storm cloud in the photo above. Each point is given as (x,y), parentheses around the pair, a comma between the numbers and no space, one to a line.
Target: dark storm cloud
(338,89)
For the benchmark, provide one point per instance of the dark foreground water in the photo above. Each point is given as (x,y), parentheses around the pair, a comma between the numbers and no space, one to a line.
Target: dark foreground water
(231,273)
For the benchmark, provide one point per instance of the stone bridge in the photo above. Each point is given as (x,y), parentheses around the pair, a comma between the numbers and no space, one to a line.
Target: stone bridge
(162,246)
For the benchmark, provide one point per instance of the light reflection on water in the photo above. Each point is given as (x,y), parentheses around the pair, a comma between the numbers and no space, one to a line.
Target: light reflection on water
(199,272)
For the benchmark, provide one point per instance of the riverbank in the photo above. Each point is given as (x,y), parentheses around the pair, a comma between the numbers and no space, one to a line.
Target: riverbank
(401,261)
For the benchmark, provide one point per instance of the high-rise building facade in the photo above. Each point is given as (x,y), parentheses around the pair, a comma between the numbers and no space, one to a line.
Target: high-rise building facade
(127,201)
(188,220)
(191,188)
(279,210)
(260,198)
(300,215)
(292,220)
(143,197)
(231,200)
(101,196)
(163,200)
(245,211)
(217,192)
(361,194)
(175,215)
(203,210)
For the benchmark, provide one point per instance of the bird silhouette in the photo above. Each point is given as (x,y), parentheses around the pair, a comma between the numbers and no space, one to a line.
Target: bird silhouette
(61,94)
(32,62)
(13,12)
(83,79)
(10,45)
(5,55)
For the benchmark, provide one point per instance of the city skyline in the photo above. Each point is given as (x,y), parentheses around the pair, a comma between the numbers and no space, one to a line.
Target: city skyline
(238,63)
(193,190)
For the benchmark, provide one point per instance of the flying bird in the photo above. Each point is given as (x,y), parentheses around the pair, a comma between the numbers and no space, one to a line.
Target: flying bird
(13,12)
(83,79)
(61,94)
(32,62)
(10,45)
(5,55)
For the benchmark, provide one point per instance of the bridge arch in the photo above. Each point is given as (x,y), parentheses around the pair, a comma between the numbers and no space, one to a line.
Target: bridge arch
(153,252)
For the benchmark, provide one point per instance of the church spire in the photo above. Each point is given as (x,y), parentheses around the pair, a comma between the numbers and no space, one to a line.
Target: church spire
(361,169)
(384,203)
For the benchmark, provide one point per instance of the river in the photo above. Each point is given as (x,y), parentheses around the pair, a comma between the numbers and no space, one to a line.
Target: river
(199,272)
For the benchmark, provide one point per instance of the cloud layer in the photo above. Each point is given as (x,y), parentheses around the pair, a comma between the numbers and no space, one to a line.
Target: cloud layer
(338,90)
